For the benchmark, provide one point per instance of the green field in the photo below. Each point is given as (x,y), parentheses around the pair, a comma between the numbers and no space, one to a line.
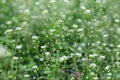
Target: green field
(59,39)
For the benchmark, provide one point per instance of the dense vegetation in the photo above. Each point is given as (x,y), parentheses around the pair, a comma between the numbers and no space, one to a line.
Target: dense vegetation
(59,40)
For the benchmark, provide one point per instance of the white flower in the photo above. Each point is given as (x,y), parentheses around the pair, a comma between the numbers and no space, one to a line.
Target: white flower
(15,58)
(41,59)
(52,30)
(80,49)
(117,20)
(118,30)
(43,47)
(83,44)
(109,74)
(35,37)
(60,21)
(102,57)
(79,20)
(71,30)
(44,12)
(47,53)
(71,55)
(9,22)
(72,78)
(8,31)
(78,54)
(75,25)
(107,67)
(84,59)
(117,63)
(27,11)
(52,1)
(98,1)
(87,11)
(80,29)
(104,44)
(105,35)
(109,77)
(92,73)
(19,47)
(35,67)
(63,58)
(118,46)
(95,78)
(92,65)
(37,3)
(3,51)
(26,75)
(93,55)
(83,7)
(18,28)
(25,23)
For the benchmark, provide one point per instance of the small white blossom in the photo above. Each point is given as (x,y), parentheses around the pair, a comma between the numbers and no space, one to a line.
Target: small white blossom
(27,11)
(117,20)
(52,30)
(35,37)
(52,1)
(60,21)
(8,31)
(72,78)
(79,20)
(93,55)
(105,35)
(15,58)
(63,58)
(118,30)
(71,55)
(9,22)
(92,73)
(19,47)
(109,77)
(78,54)
(84,59)
(92,65)
(87,11)
(102,57)
(75,25)
(107,67)
(83,44)
(104,44)
(37,3)
(25,23)
(118,46)
(80,49)
(98,1)
(41,59)
(80,29)
(43,47)
(18,29)
(95,78)
(109,74)
(26,75)
(44,12)
(47,53)
(83,7)
(35,67)
(117,63)
(3,51)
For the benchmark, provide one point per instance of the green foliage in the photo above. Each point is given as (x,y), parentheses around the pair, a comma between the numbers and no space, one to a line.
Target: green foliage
(59,40)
